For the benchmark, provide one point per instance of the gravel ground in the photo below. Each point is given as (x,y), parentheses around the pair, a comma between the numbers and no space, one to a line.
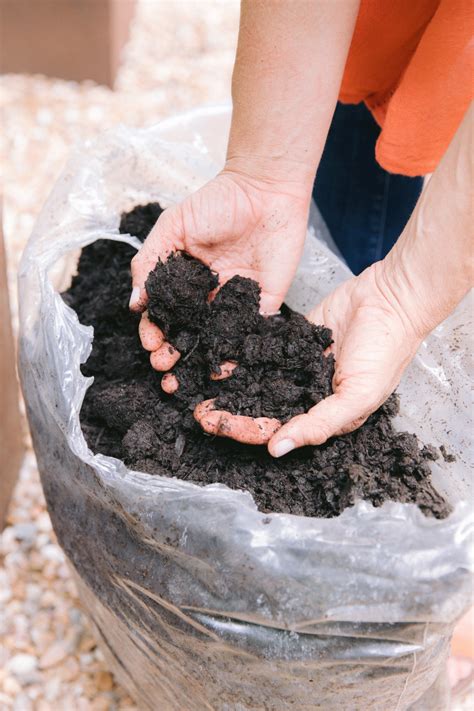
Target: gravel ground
(180,55)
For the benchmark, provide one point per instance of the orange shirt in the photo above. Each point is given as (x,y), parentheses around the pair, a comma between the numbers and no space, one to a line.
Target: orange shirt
(411,62)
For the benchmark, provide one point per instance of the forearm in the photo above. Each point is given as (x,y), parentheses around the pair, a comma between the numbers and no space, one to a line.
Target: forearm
(430,269)
(287,73)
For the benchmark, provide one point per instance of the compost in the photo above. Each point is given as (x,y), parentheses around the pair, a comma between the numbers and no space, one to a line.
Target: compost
(282,370)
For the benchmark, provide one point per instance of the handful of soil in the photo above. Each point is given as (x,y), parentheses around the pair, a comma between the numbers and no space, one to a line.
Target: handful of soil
(282,371)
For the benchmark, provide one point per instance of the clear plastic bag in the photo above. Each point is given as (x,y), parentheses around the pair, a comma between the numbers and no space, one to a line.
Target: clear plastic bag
(199,600)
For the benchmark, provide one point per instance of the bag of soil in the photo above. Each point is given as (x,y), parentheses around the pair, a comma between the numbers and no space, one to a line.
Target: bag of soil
(200,600)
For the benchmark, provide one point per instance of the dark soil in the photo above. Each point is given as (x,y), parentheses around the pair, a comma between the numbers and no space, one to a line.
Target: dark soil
(282,371)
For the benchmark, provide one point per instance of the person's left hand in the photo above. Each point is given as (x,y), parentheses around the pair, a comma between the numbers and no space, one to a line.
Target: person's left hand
(375,336)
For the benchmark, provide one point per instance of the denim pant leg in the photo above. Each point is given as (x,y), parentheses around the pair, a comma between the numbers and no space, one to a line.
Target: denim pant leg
(364,207)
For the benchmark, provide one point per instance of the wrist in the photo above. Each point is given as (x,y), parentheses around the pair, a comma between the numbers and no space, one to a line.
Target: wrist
(427,286)
(273,173)
(407,285)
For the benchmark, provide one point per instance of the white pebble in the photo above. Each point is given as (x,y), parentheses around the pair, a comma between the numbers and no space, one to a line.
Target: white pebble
(5,594)
(55,654)
(52,689)
(86,659)
(25,532)
(22,703)
(33,591)
(44,522)
(53,553)
(22,664)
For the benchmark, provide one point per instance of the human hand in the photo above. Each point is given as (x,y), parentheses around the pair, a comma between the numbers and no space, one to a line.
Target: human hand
(379,318)
(376,333)
(375,337)
(236,225)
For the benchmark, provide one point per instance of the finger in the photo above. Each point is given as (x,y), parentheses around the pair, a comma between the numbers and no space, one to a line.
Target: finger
(335,415)
(169,383)
(165,357)
(164,238)
(226,368)
(319,318)
(141,265)
(150,334)
(212,294)
(247,430)
(270,305)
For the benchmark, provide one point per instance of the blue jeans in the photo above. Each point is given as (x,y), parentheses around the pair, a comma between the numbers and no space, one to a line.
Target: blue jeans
(364,207)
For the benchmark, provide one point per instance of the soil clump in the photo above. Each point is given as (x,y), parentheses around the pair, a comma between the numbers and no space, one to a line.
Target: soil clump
(282,371)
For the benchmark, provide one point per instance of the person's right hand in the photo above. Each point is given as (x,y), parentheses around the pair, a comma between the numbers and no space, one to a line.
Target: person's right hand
(236,224)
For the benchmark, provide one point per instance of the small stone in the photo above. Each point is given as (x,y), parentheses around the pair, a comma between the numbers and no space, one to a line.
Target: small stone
(36,562)
(50,571)
(48,599)
(41,639)
(101,703)
(33,591)
(52,690)
(53,552)
(25,532)
(22,703)
(75,615)
(34,692)
(11,686)
(55,654)
(87,644)
(104,681)
(70,670)
(42,540)
(85,659)
(44,522)
(5,595)
(22,665)
(43,706)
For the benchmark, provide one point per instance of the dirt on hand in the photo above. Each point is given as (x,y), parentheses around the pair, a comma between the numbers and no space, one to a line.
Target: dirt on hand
(282,371)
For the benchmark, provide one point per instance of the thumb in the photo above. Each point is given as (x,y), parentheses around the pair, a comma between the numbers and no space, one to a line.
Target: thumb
(142,264)
(162,240)
(270,304)
(335,415)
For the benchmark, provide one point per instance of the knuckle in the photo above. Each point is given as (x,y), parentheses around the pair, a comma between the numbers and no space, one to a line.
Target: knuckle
(371,403)
(318,433)
(354,425)
(308,429)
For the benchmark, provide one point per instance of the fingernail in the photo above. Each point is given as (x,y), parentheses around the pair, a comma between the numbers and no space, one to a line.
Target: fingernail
(283,447)
(134,296)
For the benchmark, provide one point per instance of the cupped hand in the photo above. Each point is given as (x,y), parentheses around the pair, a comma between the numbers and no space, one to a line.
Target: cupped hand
(237,225)
(375,337)
(376,334)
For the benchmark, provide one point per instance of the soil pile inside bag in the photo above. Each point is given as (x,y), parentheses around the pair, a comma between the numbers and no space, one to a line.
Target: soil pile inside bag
(282,371)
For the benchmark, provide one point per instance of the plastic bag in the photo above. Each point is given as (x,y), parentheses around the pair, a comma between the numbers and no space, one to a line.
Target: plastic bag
(200,601)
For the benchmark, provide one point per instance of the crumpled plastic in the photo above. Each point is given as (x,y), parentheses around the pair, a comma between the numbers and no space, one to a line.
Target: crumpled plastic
(199,600)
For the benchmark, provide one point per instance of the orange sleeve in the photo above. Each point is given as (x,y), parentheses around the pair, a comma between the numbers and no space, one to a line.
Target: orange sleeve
(412,64)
